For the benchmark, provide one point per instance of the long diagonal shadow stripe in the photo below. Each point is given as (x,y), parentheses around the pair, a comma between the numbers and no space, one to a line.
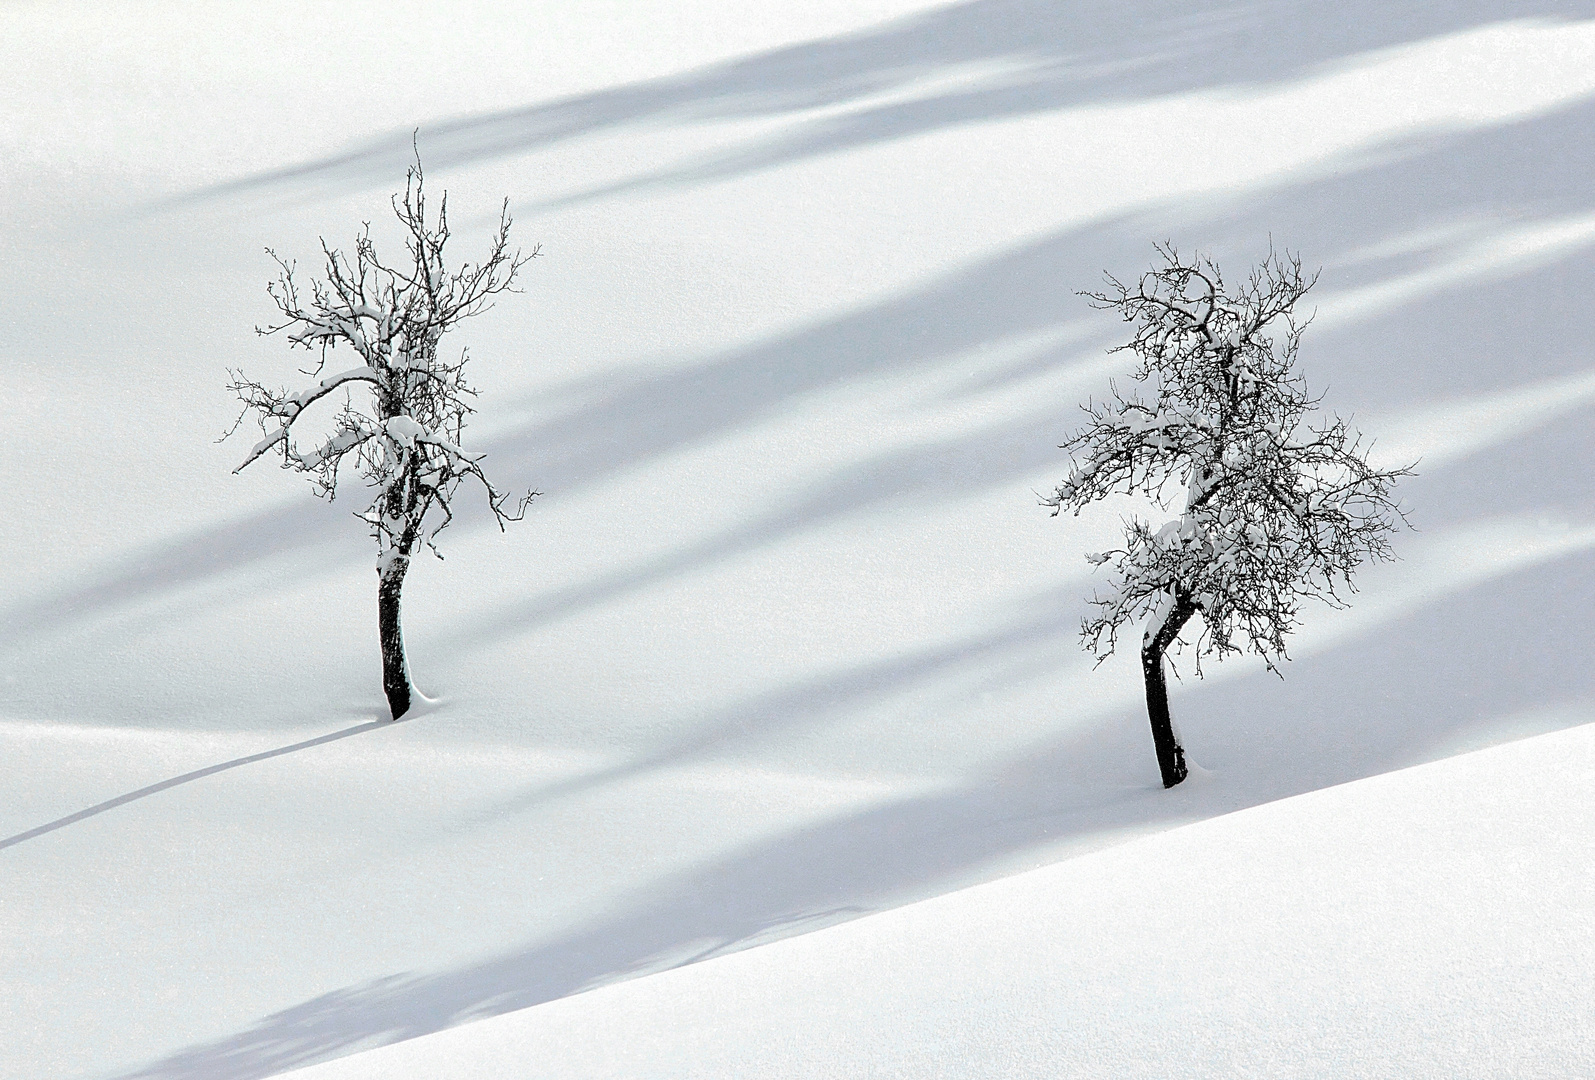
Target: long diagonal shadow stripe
(197,774)
(1057,56)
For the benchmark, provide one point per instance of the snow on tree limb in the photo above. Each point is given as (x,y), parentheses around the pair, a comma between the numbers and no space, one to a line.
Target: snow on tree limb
(1279,506)
(287,408)
(405,433)
(403,409)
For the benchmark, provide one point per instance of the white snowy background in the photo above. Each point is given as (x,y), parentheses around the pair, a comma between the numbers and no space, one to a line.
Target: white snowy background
(787,641)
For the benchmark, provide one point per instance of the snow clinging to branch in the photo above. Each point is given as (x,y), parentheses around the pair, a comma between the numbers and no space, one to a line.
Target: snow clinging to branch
(1276,504)
(401,412)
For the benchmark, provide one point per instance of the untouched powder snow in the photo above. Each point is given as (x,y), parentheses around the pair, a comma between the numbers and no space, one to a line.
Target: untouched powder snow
(1433,922)
(786,642)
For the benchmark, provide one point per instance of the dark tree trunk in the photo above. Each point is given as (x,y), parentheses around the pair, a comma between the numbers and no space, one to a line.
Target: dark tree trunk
(395,666)
(1170,754)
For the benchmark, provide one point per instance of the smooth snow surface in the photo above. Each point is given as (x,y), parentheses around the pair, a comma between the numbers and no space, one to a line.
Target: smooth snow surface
(1433,922)
(787,640)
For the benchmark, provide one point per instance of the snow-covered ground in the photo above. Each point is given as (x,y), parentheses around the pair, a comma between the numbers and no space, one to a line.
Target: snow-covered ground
(1432,922)
(787,640)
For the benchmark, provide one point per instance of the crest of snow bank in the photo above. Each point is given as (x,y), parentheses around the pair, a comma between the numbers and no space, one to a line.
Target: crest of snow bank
(1343,932)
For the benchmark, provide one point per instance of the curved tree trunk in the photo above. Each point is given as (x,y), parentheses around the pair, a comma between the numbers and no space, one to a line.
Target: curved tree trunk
(1165,740)
(395,666)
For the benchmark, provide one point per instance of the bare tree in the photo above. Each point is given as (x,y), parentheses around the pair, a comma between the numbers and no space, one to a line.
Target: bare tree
(400,411)
(1277,507)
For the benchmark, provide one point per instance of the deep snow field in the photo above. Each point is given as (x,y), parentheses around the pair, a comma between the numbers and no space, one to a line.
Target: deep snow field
(769,725)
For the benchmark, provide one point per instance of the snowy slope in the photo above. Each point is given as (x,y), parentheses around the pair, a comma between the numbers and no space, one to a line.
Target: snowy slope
(787,640)
(1433,922)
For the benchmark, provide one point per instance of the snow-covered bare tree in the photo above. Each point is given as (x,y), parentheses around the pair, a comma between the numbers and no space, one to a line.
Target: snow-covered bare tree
(397,415)
(1279,503)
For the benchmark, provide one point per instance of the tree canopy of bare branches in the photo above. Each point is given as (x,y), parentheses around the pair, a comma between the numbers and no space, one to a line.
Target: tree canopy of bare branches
(1277,503)
(398,406)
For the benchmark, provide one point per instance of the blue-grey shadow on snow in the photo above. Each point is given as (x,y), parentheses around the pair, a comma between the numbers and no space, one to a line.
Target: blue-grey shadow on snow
(1472,666)
(1455,495)
(1338,717)
(944,470)
(1453,341)
(188,777)
(1459,345)
(1056,55)
(296,530)
(1051,618)
(641,417)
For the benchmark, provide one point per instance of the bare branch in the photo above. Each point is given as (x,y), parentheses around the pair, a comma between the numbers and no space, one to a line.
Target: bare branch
(1277,509)
(404,435)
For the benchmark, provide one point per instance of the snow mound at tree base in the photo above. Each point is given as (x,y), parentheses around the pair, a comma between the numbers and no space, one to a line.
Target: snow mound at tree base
(1435,921)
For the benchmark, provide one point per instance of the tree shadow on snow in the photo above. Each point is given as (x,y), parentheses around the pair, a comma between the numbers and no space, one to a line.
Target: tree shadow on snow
(1475,665)
(1434,211)
(197,774)
(1460,345)
(1010,58)
(1347,713)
